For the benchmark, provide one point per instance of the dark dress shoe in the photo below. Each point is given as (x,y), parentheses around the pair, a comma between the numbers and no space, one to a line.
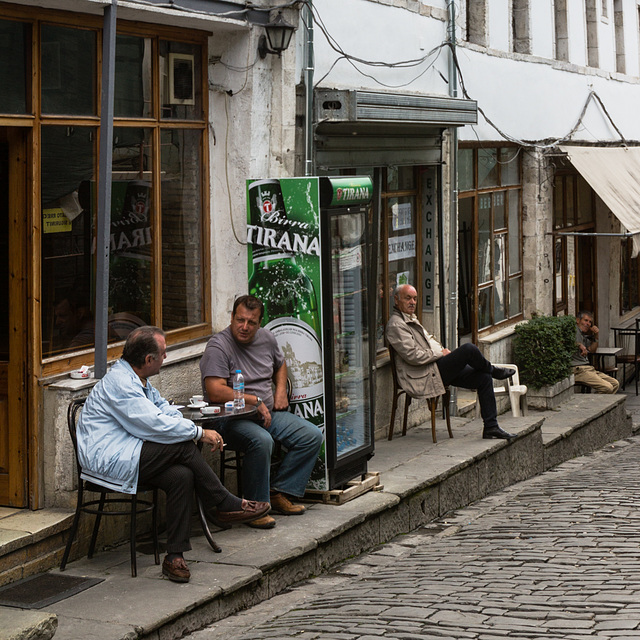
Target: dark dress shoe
(500,373)
(251,510)
(497,432)
(176,570)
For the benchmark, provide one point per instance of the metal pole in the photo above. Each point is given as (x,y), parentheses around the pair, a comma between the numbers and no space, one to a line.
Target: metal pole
(453,206)
(104,189)
(308,74)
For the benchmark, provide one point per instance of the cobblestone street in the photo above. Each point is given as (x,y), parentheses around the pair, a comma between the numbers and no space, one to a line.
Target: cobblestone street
(557,556)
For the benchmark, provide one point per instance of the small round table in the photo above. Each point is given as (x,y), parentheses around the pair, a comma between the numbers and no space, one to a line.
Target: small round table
(209,422)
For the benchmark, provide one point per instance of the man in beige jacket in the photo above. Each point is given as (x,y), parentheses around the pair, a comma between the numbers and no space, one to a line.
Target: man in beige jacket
(424,367)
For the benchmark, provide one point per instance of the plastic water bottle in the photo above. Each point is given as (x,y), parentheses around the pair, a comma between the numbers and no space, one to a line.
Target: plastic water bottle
(238,391)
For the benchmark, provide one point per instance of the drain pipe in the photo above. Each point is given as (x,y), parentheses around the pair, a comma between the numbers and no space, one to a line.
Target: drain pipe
(308,88)
(103,232)
(452,339)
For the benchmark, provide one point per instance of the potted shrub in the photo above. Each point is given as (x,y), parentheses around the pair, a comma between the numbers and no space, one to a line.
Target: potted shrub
(542,349)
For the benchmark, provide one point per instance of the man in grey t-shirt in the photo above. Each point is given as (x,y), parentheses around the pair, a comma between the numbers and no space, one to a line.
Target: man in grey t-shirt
(587,335)
(246,346)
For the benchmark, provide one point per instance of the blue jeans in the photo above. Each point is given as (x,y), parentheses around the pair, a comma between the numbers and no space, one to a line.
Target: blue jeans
(301,439)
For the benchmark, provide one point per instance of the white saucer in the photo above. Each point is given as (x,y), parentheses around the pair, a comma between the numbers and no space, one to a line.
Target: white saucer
(197,405)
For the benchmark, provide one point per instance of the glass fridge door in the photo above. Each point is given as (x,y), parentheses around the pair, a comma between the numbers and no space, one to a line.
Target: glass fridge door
(353,431)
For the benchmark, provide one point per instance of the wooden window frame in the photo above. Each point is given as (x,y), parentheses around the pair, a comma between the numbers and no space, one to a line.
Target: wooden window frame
(36,120)
(476,193)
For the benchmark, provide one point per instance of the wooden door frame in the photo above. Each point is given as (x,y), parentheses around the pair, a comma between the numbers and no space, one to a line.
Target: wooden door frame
(19,222)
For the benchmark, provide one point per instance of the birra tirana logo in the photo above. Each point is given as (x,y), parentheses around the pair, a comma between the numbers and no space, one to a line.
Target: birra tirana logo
(283,234)
(352,194)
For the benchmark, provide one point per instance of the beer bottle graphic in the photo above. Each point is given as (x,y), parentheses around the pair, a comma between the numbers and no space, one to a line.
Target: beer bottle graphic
(291,310)
(277,280)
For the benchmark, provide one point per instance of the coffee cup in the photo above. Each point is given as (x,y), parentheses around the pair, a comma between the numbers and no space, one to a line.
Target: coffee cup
(196,399)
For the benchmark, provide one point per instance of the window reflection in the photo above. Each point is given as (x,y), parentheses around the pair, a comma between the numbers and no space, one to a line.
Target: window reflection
(131,231)
(133,77)
(484,314)
(487,168)
(14,48)
(68,76)
(181,228)
(499,279)
(67,240)
(484,239)
(180,68)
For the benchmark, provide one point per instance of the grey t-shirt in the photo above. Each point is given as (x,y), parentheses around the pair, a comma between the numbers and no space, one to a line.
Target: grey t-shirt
(258,361)
(578,359)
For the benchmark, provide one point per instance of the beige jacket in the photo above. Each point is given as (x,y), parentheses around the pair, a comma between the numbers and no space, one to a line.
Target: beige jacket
(416,366)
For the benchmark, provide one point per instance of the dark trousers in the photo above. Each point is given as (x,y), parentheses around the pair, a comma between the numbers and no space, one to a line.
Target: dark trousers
(178,469)
(467,368)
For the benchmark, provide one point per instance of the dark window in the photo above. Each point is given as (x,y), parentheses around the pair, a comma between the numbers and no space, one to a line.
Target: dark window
(68,77)
(14,47)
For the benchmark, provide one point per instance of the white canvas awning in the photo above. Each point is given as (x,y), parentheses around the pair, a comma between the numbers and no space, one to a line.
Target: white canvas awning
(614,174)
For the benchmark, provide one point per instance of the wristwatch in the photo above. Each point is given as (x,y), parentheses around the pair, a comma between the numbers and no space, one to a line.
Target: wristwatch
(258,401)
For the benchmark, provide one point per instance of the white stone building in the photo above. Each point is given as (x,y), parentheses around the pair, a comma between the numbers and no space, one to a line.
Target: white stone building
(197,111)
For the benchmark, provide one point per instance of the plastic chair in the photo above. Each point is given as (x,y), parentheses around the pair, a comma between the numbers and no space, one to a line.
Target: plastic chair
(431,402)
(517,392)
(100,507)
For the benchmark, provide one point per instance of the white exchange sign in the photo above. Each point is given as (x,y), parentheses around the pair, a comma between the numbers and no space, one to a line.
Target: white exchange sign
(402,247)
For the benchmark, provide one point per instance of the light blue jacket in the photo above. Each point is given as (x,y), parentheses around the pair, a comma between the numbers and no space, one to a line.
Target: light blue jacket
(118,416)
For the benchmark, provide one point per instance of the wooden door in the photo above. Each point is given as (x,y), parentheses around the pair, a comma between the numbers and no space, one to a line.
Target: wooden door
(13,335)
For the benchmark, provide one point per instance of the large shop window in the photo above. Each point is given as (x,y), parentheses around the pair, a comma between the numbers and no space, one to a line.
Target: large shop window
(157,262)
(490,238)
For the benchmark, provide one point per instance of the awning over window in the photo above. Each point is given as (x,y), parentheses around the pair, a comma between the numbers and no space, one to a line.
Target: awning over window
(614,174)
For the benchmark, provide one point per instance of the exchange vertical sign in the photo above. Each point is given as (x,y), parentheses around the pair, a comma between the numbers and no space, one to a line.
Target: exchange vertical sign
(428,237)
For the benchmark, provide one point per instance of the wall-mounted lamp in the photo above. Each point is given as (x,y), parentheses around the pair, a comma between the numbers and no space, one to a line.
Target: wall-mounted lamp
(278,37)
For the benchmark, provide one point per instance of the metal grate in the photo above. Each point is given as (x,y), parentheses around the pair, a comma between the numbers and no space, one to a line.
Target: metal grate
(44,589)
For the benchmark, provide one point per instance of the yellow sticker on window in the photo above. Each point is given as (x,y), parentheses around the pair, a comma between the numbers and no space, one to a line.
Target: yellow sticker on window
(54,221)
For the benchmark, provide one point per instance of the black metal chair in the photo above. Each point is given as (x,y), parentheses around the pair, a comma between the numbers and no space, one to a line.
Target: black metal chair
(629,340)
(102,506)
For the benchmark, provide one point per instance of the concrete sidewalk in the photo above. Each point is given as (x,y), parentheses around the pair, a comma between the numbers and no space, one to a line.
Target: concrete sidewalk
(420,481)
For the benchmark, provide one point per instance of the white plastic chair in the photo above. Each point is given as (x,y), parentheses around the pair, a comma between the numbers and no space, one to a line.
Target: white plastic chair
(517,392)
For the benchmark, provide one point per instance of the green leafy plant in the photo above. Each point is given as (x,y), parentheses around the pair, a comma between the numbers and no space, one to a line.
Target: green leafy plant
(543,348)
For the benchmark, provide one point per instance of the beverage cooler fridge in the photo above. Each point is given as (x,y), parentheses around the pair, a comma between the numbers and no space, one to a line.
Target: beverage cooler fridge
(309,262)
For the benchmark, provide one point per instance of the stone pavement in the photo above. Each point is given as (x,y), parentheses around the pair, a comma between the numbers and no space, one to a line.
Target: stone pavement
(556,556)
(422,481)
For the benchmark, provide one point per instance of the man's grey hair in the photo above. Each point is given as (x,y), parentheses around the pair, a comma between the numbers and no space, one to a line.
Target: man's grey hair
(583,314)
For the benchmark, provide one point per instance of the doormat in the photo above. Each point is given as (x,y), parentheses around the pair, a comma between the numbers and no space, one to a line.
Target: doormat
(42,590)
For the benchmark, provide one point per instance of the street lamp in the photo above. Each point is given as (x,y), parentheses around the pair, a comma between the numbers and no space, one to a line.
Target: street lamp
(278,37)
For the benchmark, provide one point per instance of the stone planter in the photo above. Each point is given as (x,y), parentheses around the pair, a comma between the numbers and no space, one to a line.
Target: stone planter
(551,397)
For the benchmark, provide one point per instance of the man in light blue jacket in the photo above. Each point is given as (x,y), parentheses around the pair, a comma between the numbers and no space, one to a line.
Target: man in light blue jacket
(129,434)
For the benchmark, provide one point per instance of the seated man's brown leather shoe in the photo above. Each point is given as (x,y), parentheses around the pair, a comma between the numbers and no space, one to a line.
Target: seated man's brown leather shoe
(251,510)
(266,522)
(176,570)
(281,504)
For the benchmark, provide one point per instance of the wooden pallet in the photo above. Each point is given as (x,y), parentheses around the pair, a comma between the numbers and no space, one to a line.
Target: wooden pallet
(370,481)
